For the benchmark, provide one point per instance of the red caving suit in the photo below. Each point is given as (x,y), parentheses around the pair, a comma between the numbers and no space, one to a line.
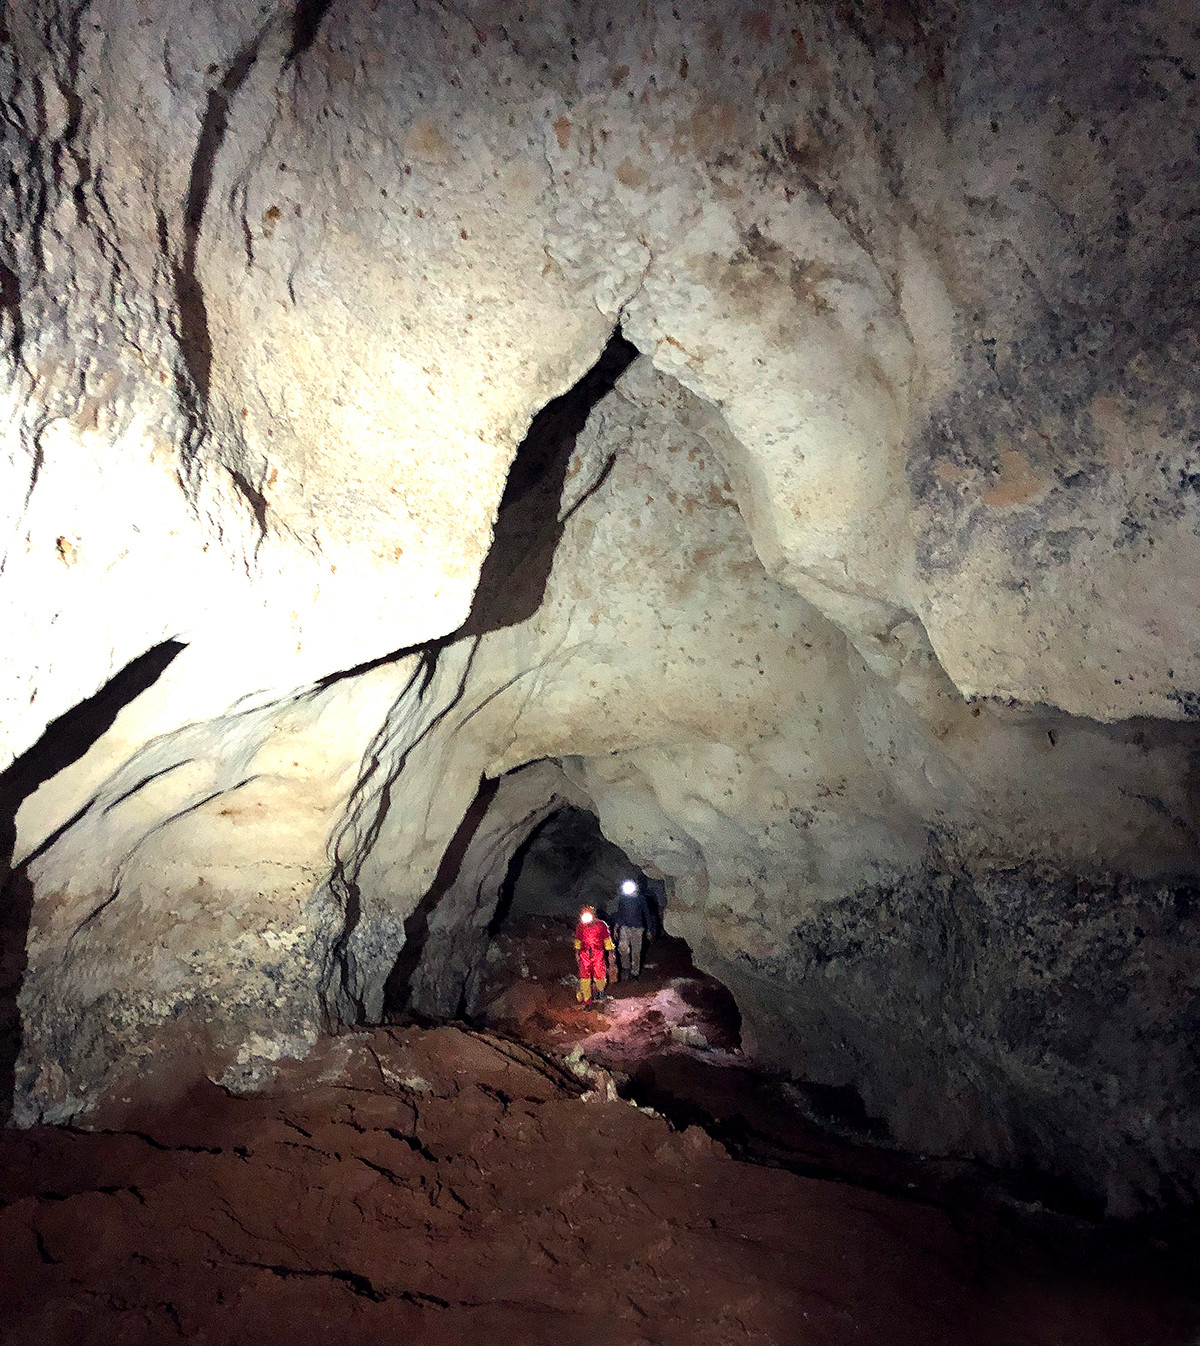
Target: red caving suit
(592,939)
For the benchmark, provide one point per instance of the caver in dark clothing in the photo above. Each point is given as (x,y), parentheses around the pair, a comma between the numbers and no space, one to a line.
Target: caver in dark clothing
(634,911)
(634,920)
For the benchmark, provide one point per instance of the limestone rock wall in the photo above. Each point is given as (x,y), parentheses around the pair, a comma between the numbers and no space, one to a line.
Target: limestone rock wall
(866,610)
(868,872)
(275,325)
(282,289)
(440,964)
(176,915)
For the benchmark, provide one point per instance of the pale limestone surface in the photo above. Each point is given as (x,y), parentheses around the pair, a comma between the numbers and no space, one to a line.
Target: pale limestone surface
(301,291)
(725,733)
(871,636)
(276,436)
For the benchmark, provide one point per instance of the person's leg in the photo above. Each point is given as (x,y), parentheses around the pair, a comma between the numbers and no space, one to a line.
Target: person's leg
(623,949)
(591,975)
(599,974)
(634,959)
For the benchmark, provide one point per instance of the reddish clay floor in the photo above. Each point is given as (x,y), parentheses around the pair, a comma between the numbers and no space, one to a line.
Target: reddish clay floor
(448,1185)
(531,984)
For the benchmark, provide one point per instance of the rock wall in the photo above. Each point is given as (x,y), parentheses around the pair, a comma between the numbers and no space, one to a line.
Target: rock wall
(847,859)
(864,607)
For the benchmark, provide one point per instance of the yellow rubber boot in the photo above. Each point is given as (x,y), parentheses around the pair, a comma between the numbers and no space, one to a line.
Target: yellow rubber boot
(584,994)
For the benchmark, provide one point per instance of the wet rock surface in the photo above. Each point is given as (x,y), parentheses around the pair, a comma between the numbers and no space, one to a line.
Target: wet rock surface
(440,1185)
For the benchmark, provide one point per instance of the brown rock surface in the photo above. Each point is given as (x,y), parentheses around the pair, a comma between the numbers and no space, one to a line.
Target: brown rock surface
(442,1186)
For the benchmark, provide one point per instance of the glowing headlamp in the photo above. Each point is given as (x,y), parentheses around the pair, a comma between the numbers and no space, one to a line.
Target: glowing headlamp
(628,887)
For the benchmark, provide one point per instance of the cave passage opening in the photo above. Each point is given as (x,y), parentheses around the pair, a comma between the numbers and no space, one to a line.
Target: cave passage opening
(529,980)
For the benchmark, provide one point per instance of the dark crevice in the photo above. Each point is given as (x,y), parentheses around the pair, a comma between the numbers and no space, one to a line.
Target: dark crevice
(255,499)
(306,24)
(361,1285)
(398,988)
(117,1189)
(195,339)
(512,580)
(529,526)
(358,835)
(424,650)
(64,741)
(413,1144)
(146,1139)
(141,785)
(527,1056)
(96,911)
(10,302)
(742,1140)
(511,588)
(39,460)
(508,885)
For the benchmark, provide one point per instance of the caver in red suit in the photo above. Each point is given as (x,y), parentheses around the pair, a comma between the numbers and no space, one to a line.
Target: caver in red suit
(593,945)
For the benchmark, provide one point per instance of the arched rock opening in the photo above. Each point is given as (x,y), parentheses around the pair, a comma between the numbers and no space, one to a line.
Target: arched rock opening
(565,863)
(770,427)
(862,601)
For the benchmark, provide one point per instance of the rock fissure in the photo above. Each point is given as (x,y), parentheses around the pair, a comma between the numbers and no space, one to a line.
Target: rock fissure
(195,336)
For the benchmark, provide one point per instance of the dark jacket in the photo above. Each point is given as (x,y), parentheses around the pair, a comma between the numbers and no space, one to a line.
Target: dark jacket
(634,911)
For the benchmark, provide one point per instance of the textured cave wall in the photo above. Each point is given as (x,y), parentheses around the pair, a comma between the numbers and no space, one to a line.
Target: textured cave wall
(283,288)
(446,939)
(176,917)
(872,611)
(1024,1015)
(872,879)
(281,435)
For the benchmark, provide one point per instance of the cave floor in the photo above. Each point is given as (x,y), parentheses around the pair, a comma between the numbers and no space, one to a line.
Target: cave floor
(448,1184)
(529,989)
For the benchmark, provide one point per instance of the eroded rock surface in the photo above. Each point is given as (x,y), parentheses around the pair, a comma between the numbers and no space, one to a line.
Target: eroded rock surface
(874,877)
(863,608)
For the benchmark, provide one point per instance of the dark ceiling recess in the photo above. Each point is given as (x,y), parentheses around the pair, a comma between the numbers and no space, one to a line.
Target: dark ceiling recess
(548,870)
(306,23)
(529,524)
